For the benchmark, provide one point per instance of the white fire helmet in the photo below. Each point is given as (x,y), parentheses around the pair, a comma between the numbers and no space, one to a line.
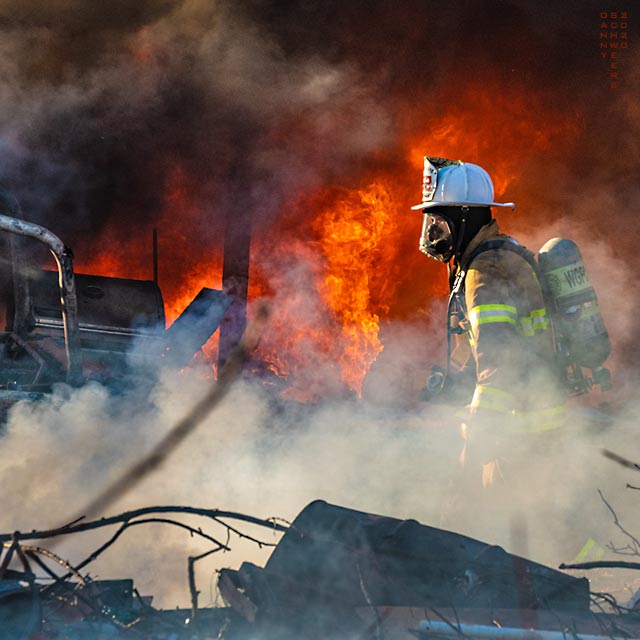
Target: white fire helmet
(457,184)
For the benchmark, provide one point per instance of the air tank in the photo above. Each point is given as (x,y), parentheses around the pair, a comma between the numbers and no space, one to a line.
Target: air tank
(576,313)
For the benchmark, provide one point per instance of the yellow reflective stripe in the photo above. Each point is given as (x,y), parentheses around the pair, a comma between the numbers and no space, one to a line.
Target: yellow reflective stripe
(496,307)
(544,419)
(539,316)
(492,313)
(491,398)
(589,546)
(535,321)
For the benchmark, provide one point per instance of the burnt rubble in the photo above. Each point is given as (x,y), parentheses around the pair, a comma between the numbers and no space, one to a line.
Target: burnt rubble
(336,573)
(67,327)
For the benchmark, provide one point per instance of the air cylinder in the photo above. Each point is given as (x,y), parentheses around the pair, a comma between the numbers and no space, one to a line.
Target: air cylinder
(577,316)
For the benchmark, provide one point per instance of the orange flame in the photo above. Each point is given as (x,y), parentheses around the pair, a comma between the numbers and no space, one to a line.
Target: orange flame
(351,234)
(346,260)
(350,263)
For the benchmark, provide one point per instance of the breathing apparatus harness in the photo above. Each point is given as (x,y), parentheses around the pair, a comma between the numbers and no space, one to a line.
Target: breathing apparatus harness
(456,308)
(580,337)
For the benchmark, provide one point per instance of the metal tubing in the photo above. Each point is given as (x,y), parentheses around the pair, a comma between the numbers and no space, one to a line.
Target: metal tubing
(503,633)
(68,299)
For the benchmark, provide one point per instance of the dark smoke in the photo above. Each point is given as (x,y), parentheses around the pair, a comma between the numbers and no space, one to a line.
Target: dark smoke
(258,104)
(98,106)
(258,101)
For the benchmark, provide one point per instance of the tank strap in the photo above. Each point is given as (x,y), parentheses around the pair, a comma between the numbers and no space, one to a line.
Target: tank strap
(456,306)
(510,245)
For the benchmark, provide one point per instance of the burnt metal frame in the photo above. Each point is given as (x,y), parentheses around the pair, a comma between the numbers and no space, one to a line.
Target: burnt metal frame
(64,261)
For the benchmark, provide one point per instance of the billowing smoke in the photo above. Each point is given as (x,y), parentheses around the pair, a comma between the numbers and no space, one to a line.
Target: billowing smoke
(179,115)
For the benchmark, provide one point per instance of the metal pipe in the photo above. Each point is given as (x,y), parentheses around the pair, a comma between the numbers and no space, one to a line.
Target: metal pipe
(504,633)
(68,299)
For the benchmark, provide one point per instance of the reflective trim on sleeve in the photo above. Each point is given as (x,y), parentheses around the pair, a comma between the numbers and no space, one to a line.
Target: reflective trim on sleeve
(544,419)
(485,397)
(536,321)
(492,313)
(590,548)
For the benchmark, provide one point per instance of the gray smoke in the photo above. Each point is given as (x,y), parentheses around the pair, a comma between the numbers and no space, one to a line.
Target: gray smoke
(259,104)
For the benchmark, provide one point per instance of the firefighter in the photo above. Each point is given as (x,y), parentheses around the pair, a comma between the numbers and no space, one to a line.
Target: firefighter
(497,322)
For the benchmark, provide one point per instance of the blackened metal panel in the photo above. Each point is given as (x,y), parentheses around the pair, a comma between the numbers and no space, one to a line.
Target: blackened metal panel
(110,305)
(345,553)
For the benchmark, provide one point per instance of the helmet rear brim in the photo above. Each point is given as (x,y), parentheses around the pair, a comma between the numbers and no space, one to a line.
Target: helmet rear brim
(428,205)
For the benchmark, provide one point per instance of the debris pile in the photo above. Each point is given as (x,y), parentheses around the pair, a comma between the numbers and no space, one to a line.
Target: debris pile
(336,573)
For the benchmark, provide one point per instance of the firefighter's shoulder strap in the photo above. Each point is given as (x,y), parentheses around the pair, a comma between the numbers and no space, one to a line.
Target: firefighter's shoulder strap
(509,244)
(456,310)
(505,242)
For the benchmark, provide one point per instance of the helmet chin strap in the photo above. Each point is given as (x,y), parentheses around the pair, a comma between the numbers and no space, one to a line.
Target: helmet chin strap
(460,236)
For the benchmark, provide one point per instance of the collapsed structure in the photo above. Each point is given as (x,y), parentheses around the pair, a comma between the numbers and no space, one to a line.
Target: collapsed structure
(62,326)
(336,573)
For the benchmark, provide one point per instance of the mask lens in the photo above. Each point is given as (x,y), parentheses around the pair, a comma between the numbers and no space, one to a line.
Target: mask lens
(436,240)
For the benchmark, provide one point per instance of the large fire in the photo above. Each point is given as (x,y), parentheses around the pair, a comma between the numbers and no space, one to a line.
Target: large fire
(351,253)
(341,261)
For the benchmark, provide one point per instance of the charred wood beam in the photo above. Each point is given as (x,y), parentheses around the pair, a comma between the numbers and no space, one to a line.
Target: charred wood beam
(235,280)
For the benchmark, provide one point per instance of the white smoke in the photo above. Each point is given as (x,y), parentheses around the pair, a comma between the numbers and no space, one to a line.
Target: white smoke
(266,457)
(301,119)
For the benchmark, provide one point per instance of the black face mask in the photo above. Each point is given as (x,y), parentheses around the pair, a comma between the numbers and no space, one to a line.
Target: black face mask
(436,240)
(463,223)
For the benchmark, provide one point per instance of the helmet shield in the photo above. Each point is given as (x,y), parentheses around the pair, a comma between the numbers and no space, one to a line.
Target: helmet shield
(436,239)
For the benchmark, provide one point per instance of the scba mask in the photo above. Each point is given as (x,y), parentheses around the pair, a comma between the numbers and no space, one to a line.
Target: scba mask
(436,240)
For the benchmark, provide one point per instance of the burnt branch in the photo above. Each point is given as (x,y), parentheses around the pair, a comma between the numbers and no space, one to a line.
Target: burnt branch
(192,579)
(9,555)
(34,552)
(126,521)
(239,533)
(215,514)
(635,542)
(611,601)
(127,525)
(602,564)
(627,464)
(456,628)
(62,581)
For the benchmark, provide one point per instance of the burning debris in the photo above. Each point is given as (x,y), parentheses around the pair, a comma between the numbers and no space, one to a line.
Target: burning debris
(74,327)
(275,148)
(336,573)
(73,605)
